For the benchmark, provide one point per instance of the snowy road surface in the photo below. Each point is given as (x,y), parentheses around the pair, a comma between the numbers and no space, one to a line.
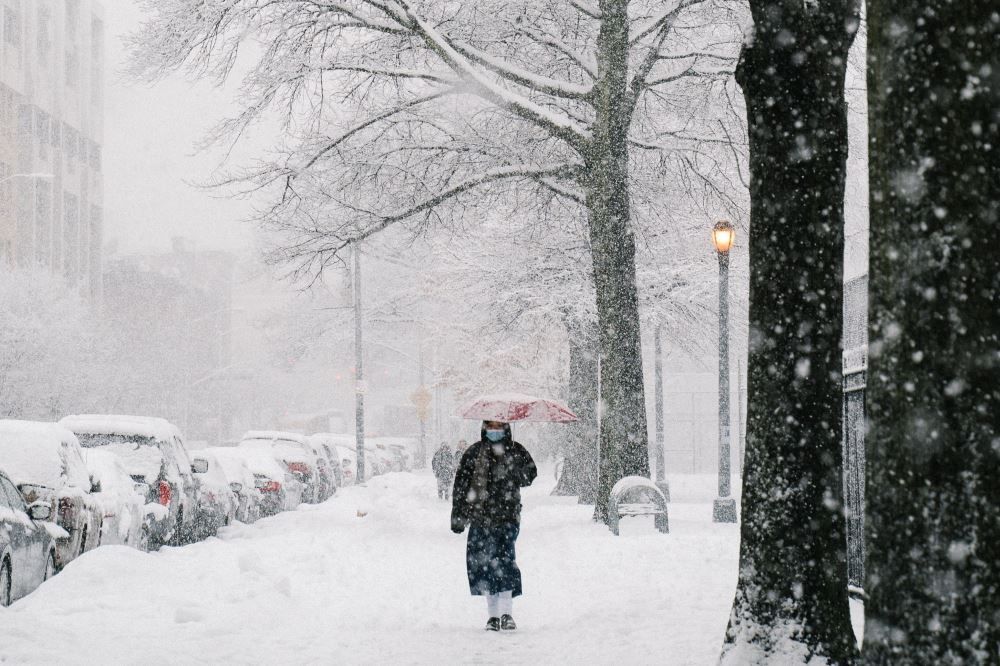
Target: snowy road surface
(321,585)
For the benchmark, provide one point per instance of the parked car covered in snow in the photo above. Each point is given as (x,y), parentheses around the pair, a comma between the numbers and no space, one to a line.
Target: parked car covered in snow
(328,444)
(45,463)
(328,477)
(123,501)
(217,503)
(27,543)
(279,489)
(152,450)
(348,464)
(294,453)
(241,482)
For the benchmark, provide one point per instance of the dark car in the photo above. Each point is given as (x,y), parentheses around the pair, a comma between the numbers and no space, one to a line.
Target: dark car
(152,450)
(27,545)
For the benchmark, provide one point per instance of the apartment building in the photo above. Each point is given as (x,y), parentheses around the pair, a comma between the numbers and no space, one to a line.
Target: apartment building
(51,135)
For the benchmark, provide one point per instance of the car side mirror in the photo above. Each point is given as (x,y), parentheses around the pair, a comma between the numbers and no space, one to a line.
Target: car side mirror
(236,487)
(40,511)
(199,466)
(95,486)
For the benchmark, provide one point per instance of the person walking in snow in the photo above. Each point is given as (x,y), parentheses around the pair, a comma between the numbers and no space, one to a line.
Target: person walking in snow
(459,452)
(443,465)
(487,499)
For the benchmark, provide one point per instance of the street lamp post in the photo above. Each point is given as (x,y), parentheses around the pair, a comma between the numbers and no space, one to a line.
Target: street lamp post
(359,387)
(724,508)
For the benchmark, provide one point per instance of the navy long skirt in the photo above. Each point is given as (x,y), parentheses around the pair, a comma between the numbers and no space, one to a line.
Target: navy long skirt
(490,560)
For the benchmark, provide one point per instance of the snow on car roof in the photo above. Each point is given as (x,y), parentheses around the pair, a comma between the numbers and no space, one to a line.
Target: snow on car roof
(108,424)
(34,452)
(274,434)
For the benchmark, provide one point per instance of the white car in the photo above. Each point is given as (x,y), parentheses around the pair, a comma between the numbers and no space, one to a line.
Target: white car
(348,464)
(241,482)
(45,462)
(153,452)
(122,500)
(279,489)
(293,451)
(217,503)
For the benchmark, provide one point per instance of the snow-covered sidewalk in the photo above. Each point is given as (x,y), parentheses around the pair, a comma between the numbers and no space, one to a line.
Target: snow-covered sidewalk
(322,584)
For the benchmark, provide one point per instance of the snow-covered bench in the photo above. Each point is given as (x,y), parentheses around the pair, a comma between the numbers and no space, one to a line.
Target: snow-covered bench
(637,496)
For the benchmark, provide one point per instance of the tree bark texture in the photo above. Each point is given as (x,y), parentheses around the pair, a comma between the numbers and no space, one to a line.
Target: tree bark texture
(624,445)
(933,572)
(579,474)
(791,601)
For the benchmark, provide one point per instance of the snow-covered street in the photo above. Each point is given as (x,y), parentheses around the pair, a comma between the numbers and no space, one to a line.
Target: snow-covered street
(326,583)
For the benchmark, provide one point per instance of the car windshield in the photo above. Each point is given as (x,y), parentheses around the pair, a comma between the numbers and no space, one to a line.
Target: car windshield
(141,455)
(95,440)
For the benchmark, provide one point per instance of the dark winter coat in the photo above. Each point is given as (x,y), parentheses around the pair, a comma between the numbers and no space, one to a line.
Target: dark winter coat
(443,463)
(487,489)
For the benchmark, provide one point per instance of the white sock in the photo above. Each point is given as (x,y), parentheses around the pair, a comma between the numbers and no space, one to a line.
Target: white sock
(506,602)
(493,604)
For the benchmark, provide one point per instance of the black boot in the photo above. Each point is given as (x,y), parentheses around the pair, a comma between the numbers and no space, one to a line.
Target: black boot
(507,623)
(493,624)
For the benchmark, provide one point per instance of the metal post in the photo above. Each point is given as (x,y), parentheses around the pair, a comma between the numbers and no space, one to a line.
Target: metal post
(724,508)
(422,453)
(359,386)
(661,480)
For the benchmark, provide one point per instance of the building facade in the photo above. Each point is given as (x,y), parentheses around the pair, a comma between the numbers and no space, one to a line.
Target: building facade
(51,137)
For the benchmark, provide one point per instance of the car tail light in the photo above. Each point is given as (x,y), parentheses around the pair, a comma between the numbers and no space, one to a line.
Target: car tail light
(299,467)
(271,487)
(164,493)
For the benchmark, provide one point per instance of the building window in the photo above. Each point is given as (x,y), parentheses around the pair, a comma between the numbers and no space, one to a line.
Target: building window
(43,224)
(12,27)
(70,147)
(5,190)
(44,35)
(71,235)
(96,60)
(7,111)
(42,122)
(72,42)
(95,156)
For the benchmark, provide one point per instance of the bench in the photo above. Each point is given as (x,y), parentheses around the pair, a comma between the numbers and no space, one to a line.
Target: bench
(637,496)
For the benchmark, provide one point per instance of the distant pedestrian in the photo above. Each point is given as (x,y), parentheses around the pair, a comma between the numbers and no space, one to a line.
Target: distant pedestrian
(487,499)
(460,451)
(443,465)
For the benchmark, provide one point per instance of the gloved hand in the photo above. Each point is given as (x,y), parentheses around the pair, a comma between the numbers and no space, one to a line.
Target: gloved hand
(457,526)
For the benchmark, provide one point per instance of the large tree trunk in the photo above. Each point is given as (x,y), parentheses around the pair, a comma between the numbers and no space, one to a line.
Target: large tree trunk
(933,574)
(624,445)
(579,473)
(791,600)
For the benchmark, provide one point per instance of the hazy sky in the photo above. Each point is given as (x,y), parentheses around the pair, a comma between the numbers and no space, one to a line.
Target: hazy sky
(150,134)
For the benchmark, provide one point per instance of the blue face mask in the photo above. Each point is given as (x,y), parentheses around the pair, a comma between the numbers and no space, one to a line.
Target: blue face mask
(495,435)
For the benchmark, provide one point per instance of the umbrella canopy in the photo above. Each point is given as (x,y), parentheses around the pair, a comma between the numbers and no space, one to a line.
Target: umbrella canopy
(517,407)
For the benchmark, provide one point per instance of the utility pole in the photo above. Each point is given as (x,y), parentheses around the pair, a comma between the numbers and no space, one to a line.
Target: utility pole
(359,386)
(422,413)
(661,478)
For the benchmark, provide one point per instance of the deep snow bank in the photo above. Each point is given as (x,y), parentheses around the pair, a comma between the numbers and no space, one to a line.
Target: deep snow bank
(322,584)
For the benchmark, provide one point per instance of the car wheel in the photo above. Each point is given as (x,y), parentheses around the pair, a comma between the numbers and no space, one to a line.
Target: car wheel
(50,567)
(5,583)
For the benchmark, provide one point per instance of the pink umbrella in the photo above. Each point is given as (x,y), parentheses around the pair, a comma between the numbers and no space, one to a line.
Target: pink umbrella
(516,407)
